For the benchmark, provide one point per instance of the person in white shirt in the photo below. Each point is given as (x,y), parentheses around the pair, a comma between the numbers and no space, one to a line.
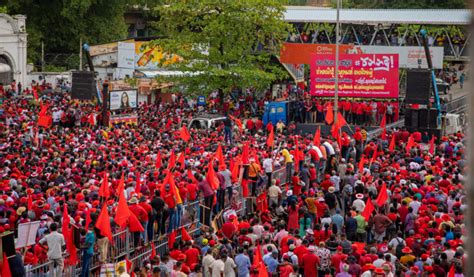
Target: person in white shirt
(268,168)
(56,243)
(229,266)
(274,193)
(217,268)
(207,261)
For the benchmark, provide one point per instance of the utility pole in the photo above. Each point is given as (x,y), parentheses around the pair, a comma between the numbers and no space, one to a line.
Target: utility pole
(42,57)
(80,54)
(336,83)
(470,181)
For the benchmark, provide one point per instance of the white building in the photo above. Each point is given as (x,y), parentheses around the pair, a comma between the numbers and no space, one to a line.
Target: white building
(13,43)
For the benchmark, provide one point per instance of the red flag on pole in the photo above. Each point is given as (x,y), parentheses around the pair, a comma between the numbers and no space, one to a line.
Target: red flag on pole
(35,93)
(410,144)
(362,162)
(375,154)
(172,239)
(369,208)
(67,233)
(383,125)
(171,160)
(134,224)
(181,160)
(158,162)
(317,138)
(30,203)
(341,121)
(245,153)
(271,137)
(103,223)
(329,114)
(123,212)
(185,235)
(432,145)
(104,187)
(220,156)
(185,133)
(383,196)
(391,147)
(6,272)
(211,176)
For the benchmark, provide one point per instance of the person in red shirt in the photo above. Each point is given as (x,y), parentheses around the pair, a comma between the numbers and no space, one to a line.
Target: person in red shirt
(149,224)
(337,258)
(286,268)
(301,250)
(192,254)
(170,200)
(310,262)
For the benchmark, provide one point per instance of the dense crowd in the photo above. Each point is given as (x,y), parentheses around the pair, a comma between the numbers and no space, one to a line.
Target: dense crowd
(349,206)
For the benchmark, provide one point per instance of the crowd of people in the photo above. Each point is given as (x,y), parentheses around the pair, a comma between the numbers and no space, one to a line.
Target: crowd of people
(391,206)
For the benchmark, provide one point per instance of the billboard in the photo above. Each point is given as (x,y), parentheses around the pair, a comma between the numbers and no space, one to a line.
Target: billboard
(126,55)
(151,57)
(123,99)
(360,75)
(123,118)
(300,53)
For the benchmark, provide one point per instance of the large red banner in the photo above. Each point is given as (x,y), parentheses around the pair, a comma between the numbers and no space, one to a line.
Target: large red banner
(360,75)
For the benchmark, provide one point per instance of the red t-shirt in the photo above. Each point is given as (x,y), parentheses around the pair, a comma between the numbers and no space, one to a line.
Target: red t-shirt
(310,264)
(192,190)
(192,256)
(169,200)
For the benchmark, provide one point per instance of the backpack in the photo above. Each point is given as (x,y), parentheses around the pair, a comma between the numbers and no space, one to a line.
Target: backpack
(399,248)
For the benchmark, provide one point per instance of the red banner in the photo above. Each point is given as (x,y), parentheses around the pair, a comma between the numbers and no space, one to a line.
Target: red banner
(360,75)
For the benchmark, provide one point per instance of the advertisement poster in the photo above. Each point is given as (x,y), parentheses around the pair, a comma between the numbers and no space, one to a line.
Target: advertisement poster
(129,119)
(123,99)
(360,75)
(151,57)
(408,56)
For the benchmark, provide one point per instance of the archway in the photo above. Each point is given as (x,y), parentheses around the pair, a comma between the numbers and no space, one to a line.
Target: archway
(6,70)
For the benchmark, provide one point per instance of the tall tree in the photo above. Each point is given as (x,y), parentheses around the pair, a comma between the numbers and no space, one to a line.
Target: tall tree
(222,44)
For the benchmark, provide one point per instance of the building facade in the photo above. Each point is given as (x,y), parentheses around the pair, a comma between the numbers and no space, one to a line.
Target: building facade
(13,45)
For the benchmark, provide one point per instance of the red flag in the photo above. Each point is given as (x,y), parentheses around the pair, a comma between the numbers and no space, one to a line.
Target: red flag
(258,263)
(6,267)
(238,123)
(374,155)
(122,213)
(391,147)
(43,109)
(220,156)
(158,162)
(153,250)
(341,121)
(271,138)
(184,235)
(330,114)
(103,223)
(369,208)
(211,176)
(171,239)
(91,119)
(245,188)
(66,230)
(45,121)
(236,169)
(191,176)
(317,138)
(185,133)
(181,160)
(129,265)
(410,144)
(362,162)
(246,153)
(452,271)
(297,156)
(171,160)
(383,125)
(104,187)
(432,145)
(134,224)
(383,196)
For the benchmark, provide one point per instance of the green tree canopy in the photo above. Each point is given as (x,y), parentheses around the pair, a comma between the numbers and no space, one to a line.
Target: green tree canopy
(222,44)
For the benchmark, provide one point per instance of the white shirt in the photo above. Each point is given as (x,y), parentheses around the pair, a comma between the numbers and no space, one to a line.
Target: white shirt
(217,267)
(207,261)
(55,242)
(268,165)
(395,241)
(229,267)
(415,205)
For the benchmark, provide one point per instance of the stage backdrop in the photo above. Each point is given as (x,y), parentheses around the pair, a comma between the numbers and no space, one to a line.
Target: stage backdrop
(360,75)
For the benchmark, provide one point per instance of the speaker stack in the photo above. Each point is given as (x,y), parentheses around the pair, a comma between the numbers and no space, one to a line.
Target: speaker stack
(83,85)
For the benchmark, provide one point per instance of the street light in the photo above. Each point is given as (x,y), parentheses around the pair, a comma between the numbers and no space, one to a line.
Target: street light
(336,83)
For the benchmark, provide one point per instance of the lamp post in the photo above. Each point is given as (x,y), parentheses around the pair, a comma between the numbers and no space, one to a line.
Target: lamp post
(336,83)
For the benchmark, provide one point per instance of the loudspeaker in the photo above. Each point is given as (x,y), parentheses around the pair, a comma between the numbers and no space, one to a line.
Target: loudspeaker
(418,87)
(411,118)
(8,244)
(83,85)
(428,118)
